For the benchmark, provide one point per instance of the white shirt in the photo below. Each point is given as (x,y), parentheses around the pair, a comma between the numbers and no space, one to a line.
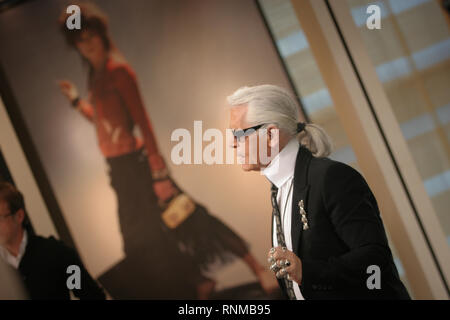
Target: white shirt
(280,172)
(9,258)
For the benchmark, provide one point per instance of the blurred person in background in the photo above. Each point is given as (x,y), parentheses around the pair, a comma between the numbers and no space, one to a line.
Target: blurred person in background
(42,262)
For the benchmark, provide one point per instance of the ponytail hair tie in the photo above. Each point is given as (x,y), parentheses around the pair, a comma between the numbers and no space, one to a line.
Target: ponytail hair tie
(300,126)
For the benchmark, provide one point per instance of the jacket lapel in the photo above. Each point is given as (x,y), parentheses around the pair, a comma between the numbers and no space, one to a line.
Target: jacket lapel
(300,192)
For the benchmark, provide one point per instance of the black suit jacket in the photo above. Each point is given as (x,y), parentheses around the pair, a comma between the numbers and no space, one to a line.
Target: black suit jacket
(44,271)
(345,235)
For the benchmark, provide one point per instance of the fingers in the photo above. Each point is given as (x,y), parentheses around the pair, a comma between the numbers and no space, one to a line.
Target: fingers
(65,87)
(281,273)
(273,267)
(283,263)
(64,84)
(290,268)
(281,253)
(271,252)
(278,253)
(291,273)
(68,89)
(286,272)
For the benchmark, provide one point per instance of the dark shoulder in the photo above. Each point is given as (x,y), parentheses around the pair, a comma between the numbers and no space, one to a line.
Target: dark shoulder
(49,245)
(326,171)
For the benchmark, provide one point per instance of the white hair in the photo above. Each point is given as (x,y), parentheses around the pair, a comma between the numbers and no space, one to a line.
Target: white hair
(269,104)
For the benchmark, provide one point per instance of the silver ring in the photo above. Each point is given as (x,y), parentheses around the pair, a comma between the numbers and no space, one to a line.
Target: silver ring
(272,250)
(274,267)
(284,263)
(271,259)
(284,248)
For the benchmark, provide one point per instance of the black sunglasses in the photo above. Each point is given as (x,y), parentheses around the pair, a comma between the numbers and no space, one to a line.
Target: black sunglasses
(243,132)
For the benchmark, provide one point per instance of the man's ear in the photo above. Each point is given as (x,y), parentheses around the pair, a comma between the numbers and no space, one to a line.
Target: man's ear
(273,135)
(20,216)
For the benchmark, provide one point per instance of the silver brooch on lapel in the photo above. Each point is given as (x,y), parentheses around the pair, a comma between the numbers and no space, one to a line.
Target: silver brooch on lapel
(303,215)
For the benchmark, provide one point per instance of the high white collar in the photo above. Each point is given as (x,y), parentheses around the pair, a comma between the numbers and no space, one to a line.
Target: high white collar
(282,166)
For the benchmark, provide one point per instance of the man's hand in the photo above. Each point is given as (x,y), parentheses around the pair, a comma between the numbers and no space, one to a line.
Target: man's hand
(164,189)
(280,258)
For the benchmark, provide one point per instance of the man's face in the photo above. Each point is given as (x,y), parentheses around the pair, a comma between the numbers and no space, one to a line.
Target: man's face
(247,146)
(10,224)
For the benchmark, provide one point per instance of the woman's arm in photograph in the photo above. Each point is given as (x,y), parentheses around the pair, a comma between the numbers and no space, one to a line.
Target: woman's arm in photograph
(82,105)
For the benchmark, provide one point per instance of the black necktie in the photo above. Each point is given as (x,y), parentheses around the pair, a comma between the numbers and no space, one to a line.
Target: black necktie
(280,238)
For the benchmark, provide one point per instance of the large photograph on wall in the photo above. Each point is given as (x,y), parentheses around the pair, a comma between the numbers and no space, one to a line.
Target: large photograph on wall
(100,104)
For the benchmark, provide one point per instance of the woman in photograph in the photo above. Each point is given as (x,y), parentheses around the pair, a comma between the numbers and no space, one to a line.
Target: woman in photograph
(175,257)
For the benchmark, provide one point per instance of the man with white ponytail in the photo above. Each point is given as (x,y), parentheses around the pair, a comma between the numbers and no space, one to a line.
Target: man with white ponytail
(328,239)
